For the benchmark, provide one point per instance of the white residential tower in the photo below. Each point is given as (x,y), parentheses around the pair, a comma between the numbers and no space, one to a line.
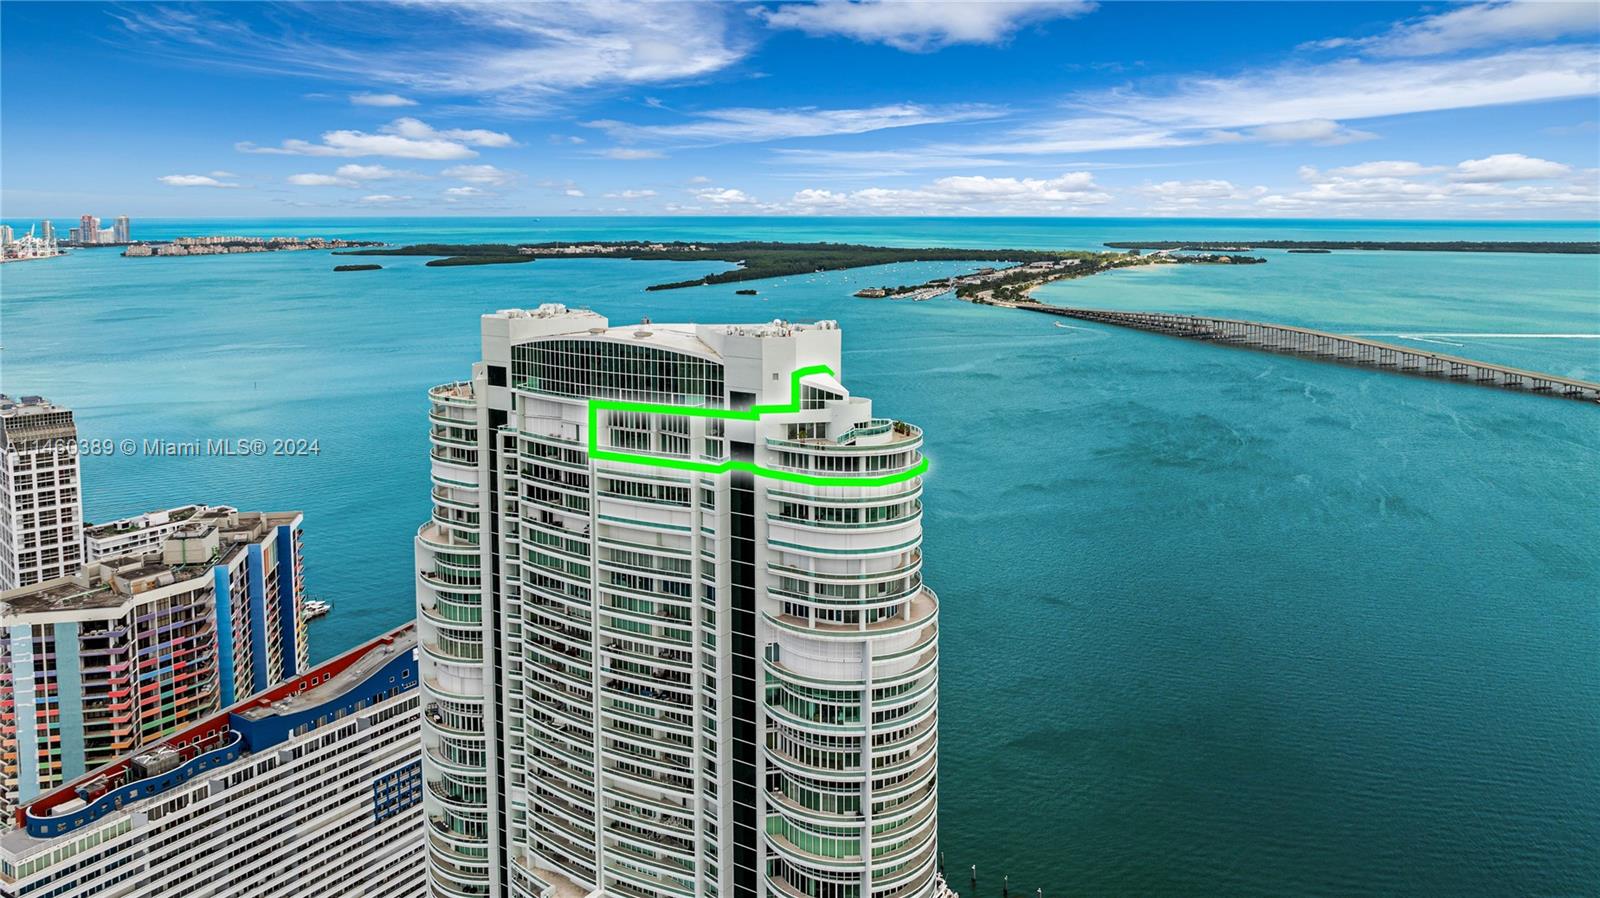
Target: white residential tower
(680,648)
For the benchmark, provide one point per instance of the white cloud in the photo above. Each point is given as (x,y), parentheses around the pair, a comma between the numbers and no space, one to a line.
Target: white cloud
(383,198)
(878,162)
(919,26)
(1291,102)
(193,181)
(1318,131)
(1198,192)
(746,125)
(417,129)
(358,172)
(566,187)
(723,196)
(480,174)
(386,100)
(1509,167)
(630,153)
(630,194)
(1353,89)
(464,191)
(1387,169)
(518,57)
(813,198)
(403,138)
(357,143)
(1391,188)
(1496,24)
(699,179)
(319,180)
(223,174)
(961,194)
(1589,126)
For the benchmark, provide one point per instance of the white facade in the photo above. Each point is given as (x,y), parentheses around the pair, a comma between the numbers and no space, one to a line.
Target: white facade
(41,505)
(142,532)
(643,680)
(310,791)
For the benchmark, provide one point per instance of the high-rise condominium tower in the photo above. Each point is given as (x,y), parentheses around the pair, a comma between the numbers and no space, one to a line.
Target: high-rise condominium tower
(41,508)
(120,231)
(88,228)
(675,639)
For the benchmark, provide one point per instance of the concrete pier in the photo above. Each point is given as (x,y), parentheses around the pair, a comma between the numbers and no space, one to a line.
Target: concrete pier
(1301,341)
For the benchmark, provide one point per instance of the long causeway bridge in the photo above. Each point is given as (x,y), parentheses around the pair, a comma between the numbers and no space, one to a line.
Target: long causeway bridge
(1301,341)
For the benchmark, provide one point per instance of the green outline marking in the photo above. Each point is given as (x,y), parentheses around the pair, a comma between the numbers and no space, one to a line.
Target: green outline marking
(753,414)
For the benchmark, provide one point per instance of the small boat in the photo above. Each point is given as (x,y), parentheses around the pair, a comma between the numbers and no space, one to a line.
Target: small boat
(1067,326)
(315,608)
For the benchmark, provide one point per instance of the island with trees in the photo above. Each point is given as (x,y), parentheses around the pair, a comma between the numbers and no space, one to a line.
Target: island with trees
(1016,283)
(755,260)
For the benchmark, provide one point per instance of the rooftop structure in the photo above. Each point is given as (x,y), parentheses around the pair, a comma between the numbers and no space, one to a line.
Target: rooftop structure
(321,772)
(142,532)
(674,635)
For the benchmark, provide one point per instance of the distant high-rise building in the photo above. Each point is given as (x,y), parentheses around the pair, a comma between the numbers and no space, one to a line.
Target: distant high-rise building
(120,231)
(130,648)
(74,235)
(6,235)
(675,642)
(47,230)
(41,510)
(310,790)
(88,229)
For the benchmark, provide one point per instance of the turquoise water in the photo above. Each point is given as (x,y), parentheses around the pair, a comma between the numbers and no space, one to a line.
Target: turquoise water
(1215,622)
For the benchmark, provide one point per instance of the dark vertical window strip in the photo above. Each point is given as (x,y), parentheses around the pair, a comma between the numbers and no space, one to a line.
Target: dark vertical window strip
(743,629)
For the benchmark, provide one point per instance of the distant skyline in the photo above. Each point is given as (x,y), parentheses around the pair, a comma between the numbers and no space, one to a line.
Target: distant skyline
(1374,110)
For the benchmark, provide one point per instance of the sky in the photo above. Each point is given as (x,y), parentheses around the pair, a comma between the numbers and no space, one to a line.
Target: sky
(878,107)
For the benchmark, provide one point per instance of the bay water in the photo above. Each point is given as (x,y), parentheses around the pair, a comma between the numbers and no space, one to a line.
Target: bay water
(1215,622)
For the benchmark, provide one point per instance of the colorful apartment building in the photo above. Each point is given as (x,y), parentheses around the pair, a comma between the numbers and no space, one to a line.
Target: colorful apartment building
(312,789)
(131,648)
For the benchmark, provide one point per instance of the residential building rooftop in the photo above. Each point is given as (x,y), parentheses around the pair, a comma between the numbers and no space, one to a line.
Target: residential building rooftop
(357,678)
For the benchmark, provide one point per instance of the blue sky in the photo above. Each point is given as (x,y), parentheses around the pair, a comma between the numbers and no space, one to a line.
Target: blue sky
(1388,110)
